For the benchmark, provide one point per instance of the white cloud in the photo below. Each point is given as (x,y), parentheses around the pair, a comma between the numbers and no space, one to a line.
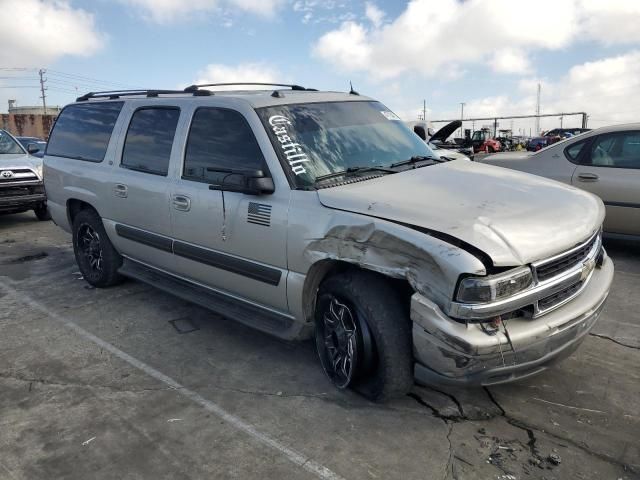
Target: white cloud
(427,38)
(509,60)
(35,32)
(374,14)
(244,72)
(605,89)
(167,11)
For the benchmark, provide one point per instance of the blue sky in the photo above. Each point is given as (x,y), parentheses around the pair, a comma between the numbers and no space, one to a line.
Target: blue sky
(489,54)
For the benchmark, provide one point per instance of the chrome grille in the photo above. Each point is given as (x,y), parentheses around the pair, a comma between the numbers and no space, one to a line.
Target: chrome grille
(558,297)
(551,268)
(12,175)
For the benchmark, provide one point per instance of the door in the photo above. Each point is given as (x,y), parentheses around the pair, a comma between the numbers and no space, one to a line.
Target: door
(230,241)
(611,169)
(140,187)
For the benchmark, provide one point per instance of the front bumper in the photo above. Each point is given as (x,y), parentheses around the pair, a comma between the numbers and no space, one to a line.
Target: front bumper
(454,353)
(24,201)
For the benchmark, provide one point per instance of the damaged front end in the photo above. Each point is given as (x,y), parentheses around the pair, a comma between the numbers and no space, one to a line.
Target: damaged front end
(516,335)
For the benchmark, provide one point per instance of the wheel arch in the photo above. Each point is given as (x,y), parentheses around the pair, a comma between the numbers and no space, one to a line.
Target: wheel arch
(324,269)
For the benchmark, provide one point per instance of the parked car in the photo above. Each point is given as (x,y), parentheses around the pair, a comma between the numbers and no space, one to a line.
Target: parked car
(21,187)
(308,213)
(537,143)
(605,162)
(34,145)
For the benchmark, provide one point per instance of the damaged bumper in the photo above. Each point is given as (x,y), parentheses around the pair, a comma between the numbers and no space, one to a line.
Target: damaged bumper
(450,352)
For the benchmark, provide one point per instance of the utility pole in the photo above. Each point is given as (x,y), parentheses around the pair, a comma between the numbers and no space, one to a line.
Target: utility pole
(462,104)
(561,118)
(424,110)
(538,112)
(41,72)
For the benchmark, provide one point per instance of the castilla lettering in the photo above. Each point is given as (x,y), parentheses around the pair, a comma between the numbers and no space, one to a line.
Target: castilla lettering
(292,151)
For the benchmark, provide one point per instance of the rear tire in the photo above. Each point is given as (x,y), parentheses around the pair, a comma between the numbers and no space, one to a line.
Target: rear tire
(42,212)
(363,335)
(97,259)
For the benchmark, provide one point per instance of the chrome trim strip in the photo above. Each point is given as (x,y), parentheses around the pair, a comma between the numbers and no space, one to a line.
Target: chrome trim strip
(542,263)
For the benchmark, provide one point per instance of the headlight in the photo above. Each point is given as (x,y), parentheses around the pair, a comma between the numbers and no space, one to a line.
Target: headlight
(494,287)
(39,170)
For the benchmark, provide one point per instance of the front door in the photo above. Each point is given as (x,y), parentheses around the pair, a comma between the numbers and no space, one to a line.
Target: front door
(230,241)
(611,170)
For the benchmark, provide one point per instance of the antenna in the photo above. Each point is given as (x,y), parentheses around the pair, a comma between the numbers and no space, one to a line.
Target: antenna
(351,90)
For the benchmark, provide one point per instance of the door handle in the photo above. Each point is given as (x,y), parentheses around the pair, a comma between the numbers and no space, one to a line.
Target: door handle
(182,203)
(120,190)
(588,177)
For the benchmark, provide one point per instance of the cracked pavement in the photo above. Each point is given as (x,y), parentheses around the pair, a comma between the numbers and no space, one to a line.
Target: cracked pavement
(70,408)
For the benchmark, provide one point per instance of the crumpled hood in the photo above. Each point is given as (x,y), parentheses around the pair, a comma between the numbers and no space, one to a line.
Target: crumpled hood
(513,217)
(19,160)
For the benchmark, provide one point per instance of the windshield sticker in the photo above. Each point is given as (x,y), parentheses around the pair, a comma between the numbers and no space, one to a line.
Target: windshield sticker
(292,151)
(389,115)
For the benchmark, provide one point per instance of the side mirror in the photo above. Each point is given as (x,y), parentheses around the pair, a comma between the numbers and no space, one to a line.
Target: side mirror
(260,185)
(33,148)
(254,182)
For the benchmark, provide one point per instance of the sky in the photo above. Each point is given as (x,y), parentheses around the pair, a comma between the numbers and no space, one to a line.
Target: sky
(488,54)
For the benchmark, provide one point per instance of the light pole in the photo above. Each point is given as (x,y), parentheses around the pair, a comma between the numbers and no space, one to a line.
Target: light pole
(462,104)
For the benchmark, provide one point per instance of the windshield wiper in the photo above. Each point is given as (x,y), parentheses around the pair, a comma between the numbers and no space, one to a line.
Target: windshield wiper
(416,159)
(352,170)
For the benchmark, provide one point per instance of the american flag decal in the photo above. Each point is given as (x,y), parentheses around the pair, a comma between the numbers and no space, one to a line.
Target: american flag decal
(259,213)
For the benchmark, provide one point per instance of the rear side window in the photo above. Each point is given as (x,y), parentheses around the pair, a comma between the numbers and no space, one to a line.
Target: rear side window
(573,151)
(147,147)
(83,131)
(220,140)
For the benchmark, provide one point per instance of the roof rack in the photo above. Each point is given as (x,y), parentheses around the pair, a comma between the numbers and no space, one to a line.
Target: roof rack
(113,94)
(194,88)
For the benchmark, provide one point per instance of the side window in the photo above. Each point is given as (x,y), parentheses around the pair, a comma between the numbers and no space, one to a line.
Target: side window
(147,146)
(572,152)
(616,150)
(220,140)
(83,131)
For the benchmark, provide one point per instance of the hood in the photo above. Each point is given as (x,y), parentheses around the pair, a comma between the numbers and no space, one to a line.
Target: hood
(497,157)
(19,160)
(446,131)
(449,154)
(513,217)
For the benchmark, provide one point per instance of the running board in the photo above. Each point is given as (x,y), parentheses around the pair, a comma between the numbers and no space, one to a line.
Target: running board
(246,313)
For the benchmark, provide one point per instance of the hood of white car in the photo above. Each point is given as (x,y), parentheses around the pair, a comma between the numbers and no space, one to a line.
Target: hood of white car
(514,218)
(19,160)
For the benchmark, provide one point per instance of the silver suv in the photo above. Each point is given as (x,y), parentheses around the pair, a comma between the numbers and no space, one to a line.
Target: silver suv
(304,213)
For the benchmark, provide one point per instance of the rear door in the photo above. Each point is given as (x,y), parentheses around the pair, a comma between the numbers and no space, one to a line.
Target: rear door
(230,241)
(610,168)
(140,220)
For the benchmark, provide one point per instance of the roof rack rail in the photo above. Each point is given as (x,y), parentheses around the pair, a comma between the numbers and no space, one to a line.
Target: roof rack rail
(113,94)
(194,88)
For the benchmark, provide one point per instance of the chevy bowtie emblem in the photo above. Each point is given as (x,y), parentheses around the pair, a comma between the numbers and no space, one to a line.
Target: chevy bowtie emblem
(7,174)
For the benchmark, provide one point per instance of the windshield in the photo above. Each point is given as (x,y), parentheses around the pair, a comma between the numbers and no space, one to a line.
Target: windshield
(8,145)
(318,139)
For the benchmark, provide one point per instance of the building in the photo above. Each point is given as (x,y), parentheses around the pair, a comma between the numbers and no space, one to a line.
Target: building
(28,121)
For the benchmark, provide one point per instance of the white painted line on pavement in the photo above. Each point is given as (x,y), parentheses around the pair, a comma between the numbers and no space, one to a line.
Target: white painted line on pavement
(292,455)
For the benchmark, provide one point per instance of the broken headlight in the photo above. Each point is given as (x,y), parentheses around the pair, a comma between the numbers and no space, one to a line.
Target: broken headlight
(494,287)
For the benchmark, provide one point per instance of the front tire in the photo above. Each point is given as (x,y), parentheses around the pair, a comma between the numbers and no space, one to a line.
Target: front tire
(97,259)
(363,335)
(42,212)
